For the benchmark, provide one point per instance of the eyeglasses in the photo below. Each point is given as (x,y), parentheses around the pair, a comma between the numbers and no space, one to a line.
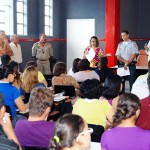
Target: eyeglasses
(89,130)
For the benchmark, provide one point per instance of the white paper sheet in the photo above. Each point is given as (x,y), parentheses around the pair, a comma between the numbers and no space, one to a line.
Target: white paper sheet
(90,55)
(122,72)
(95,146)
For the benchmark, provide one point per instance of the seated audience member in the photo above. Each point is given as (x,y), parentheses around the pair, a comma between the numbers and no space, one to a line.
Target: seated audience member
(144,118)
(85,72)
(104,70)
(74,67)
(93,110)
(12,97)
(30,80)
(36,131)
(60,76)
(5,59)
(112,88)
(8,139)
(141,85)
(41,77)
(17,80)
(71,133)
(126,135)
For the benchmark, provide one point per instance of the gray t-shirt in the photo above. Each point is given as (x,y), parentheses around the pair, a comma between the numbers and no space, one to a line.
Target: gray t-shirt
(84,75)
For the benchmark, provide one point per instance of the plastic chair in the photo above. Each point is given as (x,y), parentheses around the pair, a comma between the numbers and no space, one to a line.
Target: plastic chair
(67,90)
(48,78)
(142,59)
(98,130)
(34,148)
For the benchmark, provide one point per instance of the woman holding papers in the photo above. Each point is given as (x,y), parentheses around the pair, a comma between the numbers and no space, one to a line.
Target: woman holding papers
(93,52)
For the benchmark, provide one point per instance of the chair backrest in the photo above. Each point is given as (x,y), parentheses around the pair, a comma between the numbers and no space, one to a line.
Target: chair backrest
(34,148)
(8,110)
(48,78)
(98,130)
(142,59)
(67,90)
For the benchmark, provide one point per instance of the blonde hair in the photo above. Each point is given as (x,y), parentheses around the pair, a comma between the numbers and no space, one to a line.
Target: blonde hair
(30,78)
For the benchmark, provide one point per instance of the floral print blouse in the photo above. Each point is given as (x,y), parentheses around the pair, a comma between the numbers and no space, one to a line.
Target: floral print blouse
(64,79)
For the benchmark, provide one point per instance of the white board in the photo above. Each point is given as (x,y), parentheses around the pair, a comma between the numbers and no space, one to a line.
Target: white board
(79,32)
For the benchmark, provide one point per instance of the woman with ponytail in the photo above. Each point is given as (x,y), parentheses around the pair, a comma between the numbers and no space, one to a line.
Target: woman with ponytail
(71,133)
(126,135)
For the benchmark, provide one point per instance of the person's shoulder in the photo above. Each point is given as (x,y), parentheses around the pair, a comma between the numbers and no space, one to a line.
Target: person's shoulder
(109,132)
(48,43)
(145,101)
(133,42)
(121,43)
(21,123)
(36,44)
(142,131)
(11,43)
(40,74)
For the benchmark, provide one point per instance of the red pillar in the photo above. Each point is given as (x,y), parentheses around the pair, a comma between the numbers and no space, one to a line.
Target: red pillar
(112,29)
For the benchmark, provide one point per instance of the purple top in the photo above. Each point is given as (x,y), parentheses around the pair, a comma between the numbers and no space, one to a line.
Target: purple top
(129,138)
(34,133)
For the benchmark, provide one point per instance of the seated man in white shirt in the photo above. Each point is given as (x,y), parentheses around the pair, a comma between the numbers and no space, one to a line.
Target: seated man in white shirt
(140,86)
(16,48)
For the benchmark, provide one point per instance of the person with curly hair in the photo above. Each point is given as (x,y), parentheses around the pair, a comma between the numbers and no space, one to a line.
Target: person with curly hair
(126,135)
(93,110)
(71,133)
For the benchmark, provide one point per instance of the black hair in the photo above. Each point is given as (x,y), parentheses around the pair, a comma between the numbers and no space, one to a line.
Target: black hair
(127,106)
(104,69)
(5,59)
(91,89)
(67,129)
(96,39)
(125,31)
(75,65)
(111,86)
(83,65)
(5,71)
(15,66)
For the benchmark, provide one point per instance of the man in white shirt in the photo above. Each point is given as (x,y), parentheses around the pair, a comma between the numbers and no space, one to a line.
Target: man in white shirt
(16,48)
(140,87)
(147,48)
(126,56)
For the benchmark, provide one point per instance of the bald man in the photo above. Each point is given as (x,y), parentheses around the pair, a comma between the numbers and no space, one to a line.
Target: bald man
(42,51)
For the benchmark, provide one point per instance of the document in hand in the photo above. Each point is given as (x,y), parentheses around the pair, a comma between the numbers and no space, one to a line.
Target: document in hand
(122,72)
(90,55)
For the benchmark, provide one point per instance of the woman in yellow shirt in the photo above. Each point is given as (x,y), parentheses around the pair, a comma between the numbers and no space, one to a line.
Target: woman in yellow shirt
(89,107)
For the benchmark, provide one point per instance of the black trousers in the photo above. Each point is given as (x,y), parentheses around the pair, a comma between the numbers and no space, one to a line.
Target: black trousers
(131,78)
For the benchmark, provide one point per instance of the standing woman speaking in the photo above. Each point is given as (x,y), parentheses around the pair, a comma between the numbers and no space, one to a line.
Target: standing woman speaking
(94,45)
